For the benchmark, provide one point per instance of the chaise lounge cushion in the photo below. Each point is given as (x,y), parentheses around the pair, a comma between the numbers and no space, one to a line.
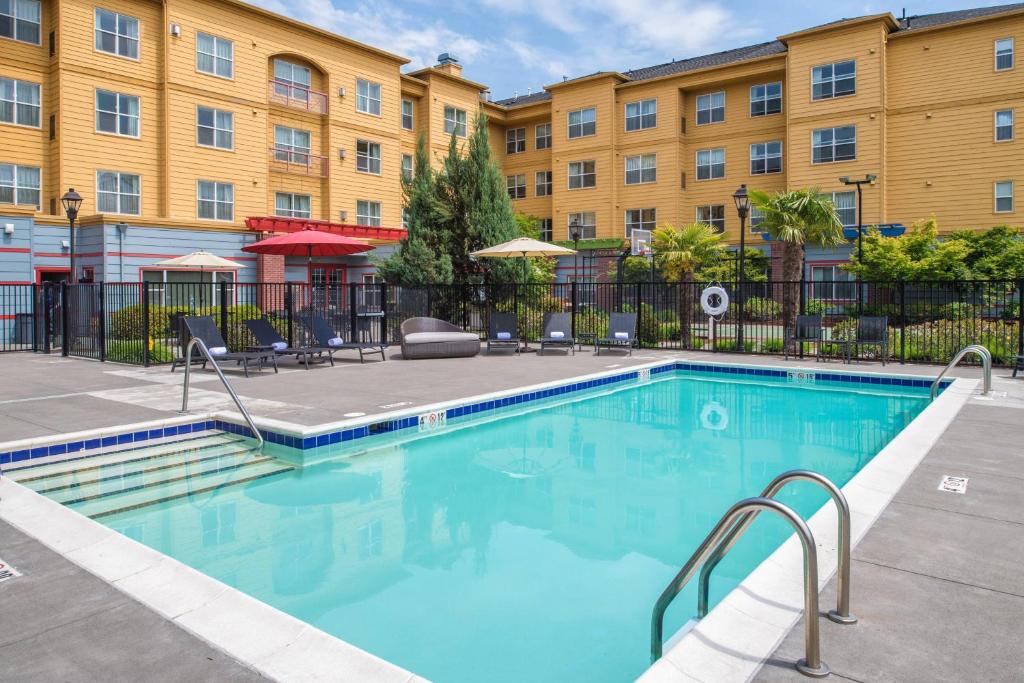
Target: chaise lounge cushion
(431,337)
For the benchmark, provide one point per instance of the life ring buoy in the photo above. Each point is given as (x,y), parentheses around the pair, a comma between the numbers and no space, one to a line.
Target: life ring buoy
(715,416)
(708,294)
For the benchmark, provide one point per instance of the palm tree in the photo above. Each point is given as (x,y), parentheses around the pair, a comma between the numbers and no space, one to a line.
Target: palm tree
(679,253)
(797,218)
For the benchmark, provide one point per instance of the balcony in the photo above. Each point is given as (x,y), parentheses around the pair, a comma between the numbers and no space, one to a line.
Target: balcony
(296,97)
(288,160)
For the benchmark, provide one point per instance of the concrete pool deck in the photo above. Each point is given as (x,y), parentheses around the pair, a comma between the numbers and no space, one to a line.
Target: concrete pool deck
(48,395)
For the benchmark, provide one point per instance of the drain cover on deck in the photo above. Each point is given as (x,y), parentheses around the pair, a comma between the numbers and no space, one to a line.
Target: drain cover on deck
(951,484)
(7,571)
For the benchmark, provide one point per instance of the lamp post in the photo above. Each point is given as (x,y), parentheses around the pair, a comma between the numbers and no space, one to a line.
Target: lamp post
(71,201)
(742,200)
(574,233)
(868,179)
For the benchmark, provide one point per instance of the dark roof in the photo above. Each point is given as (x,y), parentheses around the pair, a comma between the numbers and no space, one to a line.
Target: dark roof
(772,47)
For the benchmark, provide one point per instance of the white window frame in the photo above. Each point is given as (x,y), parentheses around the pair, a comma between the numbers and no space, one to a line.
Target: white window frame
(853,207)
(366,158)
(117,114)
(455,121)
(1010,126)
(582,174)
(368,97)
(287,86)
(515,184)
(408,115)
(710,163)
(831,80)
(997,196)
(832,145)
(119,195)
(216,201)
(1012,52)
(17,20)
(542,184)
(640,119)
(515,140)
(16,104)
(291,211)
(17,188)
(407,168)
(765,157)
(119,18)
(289,152)
(216,128)
(711,220)
(215,56)
(365,212)
(834,289)
(581,125)
(756,218)
(584,226)
(640,223)
(546,228)
(645,174)
(766,99)
(537,137)
(708,100)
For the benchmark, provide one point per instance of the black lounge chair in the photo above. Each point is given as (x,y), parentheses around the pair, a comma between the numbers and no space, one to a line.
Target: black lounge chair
(621,333)
(871,331)
(555,323)
(808,331)
(503,331)
(326,337)
(269,338)
(205,329)
(176,324)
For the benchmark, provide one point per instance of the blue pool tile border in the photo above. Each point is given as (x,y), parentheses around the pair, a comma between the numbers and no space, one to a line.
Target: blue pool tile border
(305,443)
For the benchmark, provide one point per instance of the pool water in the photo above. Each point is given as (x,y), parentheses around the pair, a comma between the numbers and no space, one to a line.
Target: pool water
(529,545)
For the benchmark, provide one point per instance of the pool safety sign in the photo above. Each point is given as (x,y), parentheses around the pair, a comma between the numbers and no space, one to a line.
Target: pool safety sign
(800,377)
(433,420)
(7,571)
(643,375)
(951,484)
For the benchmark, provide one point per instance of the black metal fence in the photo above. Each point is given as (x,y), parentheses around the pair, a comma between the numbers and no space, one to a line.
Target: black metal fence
(139,323)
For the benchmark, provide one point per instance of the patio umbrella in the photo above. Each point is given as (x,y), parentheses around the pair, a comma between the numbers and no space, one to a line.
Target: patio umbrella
(203,260)
(308,242)
(522,247)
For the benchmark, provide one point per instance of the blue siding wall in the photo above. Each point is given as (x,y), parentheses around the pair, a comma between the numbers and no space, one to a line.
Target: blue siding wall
(16,254)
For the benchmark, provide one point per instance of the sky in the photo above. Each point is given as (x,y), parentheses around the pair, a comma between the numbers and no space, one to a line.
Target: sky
(516,46)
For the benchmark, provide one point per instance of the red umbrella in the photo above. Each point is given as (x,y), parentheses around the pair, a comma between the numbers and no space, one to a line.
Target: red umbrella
(308,242)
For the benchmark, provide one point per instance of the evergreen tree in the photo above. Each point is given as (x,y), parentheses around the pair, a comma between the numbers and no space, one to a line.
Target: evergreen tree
(490,213)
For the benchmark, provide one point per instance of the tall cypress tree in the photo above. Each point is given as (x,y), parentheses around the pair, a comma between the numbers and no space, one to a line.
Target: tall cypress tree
(490,210)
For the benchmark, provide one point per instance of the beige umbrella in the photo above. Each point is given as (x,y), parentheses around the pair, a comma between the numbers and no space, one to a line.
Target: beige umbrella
(522,247)
(200,259)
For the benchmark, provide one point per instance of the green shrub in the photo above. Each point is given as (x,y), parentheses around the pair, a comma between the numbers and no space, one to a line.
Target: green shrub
(772,345)
(730,346)
(759,308)
(955,311)
(131,351)
(814,307)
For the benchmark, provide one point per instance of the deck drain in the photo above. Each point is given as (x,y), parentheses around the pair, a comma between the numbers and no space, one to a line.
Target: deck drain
(7,571)
(951,484)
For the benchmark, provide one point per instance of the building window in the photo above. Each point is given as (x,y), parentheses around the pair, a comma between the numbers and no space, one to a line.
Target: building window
(713,215)
(546,233)
(833,283)
(407,108)
(515,140)
(846,207)
(20,20)
(766,99)
(117,114)
(1004,125)
(641,115)
(215,56)
(291,145)
(543,179)
(516,185)
(582,122)
(543,136)
(642,168)
(756,219)
(1004,54)
(368,213)
(455,121)
(19,185)
(710,164)
(834,80)
(405,218)
(292,205)
(216,201)
(367,97)
(19,102)
(586,222)
(766,157)
(406,167)
(640,219)
(711,108)
(215,128)
(292,80)
(582,174)
(834,144)
(118,192)
(117,34)
(1004,196)
(367,157)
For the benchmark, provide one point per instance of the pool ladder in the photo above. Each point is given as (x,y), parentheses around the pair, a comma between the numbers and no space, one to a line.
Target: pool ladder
(986,368)
(196,341)
(731,526)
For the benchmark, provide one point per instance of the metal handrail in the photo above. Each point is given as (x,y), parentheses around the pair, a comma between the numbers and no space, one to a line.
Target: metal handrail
(841,614)
(986,367)
(224,380)
(811,665)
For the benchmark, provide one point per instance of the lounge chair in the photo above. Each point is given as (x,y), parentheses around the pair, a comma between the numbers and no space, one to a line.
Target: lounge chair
(808,331)
(268,337)
(557,332)
(205,329)
(621,333)
(176,324)
(325,336)
(503,331)
(871,331)
(433,338)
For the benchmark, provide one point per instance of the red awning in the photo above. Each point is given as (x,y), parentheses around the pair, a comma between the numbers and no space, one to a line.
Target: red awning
(282,224)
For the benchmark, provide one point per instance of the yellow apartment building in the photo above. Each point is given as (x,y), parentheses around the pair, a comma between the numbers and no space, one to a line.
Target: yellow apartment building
(191,124)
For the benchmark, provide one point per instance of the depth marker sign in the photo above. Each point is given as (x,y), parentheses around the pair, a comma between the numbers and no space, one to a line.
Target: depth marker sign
(7,571)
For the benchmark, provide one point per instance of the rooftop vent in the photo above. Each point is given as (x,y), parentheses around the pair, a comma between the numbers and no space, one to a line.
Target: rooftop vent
(447,58)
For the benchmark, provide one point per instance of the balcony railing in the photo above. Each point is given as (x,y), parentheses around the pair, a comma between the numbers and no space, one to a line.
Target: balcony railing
(288,160)
(297,97)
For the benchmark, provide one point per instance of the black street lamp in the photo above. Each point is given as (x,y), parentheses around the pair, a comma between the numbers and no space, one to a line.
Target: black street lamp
(574,233)
(868,179)
(71,201)
(742,200)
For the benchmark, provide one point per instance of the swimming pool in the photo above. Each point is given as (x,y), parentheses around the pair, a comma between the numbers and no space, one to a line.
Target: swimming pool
(530,543)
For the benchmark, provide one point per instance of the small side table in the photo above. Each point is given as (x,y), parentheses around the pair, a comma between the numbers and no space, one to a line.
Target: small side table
(585,338)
